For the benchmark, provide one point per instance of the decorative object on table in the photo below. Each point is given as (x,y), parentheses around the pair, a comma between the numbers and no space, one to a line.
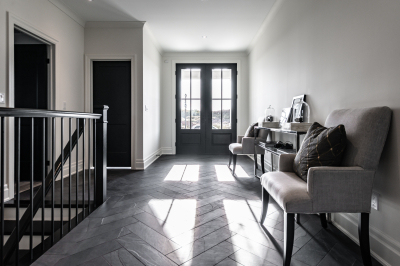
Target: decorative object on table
(270,124)
(321,147)
(294,126)
(285,115)
(250,130)
(269,114)
(297,106)
(286,145)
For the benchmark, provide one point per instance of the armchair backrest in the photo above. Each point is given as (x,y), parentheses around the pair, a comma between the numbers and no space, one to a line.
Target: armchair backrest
(366,130)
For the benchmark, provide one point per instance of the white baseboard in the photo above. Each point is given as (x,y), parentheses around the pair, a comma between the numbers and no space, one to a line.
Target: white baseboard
(382,245)
(167,150)
(73,168)
(152,158)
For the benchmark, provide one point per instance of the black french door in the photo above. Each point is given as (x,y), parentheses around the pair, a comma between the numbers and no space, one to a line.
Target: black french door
(206,104)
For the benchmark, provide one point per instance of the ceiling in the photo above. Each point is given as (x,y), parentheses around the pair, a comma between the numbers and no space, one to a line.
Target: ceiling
(179,25)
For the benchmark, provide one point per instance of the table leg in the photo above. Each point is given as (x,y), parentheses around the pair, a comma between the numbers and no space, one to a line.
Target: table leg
(262,164)
(272,162)
(255,164)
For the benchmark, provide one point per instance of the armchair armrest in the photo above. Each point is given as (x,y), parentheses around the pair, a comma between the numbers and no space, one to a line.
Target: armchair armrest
(239,139)
(340,189)
(286,162)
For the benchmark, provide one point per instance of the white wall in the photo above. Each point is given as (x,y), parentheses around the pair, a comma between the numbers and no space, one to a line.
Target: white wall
(69,34)
(168,90)
(151,98)
(342,54)
(114,39)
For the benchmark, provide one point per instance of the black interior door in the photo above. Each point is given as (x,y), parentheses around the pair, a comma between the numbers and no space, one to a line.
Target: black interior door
(31,91)
(112,87)
(205,108)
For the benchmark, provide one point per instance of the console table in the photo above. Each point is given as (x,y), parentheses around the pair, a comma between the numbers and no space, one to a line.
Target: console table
(276,151)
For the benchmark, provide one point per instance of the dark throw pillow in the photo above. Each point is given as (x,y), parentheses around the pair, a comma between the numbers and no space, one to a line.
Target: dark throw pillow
(321,147)
(250,130)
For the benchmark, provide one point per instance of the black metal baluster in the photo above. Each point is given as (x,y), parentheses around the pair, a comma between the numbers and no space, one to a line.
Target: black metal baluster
(77,170)
(43,180)
(89,169)
(53,152)
(83,168)
(17,177)
(70,183)
(94,163)
(2,190)
(62,180)
(31,187)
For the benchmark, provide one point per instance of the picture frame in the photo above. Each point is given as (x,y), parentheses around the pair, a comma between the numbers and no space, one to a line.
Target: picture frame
(285,115)
(296,107)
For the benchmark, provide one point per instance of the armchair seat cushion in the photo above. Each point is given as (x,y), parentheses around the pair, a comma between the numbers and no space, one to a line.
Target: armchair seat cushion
(288,190)
(236,148)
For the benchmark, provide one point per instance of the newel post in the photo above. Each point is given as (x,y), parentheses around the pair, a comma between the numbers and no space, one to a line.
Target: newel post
(101,154)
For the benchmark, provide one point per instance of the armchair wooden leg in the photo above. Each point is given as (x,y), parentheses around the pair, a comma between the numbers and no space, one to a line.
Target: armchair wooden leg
(363,234)
(322,217)
(255,160)
(230,160)
(262,163)
(234,163)
(265,201)
(289,238)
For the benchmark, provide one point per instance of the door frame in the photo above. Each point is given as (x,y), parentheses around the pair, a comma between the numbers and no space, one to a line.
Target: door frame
(89,59)
(203,61)
(35,32)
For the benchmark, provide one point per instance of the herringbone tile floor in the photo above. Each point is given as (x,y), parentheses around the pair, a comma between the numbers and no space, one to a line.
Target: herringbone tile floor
(189,210)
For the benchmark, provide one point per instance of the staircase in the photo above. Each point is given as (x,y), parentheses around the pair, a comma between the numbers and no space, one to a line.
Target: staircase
(35,219)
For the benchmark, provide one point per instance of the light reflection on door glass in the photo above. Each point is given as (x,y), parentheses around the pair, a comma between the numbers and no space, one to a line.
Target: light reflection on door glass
(195,114)
(226,84)
(226,114)
(216,83)
(196,93)
(216,114)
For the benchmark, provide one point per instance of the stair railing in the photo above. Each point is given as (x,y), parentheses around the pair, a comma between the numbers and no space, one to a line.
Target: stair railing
(10,251)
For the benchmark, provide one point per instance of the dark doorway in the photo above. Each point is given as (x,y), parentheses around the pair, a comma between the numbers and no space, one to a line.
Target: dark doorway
(31,91)
(112,87)
(205,108)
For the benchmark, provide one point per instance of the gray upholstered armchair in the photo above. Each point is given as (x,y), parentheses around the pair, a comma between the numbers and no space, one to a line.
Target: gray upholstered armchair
(245,145)
(345,189)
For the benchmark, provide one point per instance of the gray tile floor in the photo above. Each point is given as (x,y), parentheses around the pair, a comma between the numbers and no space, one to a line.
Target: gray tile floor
(189,210)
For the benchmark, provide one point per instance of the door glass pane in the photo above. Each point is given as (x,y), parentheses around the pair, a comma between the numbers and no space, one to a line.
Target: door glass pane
(216,83)
(185,114)
(185,83)
(226,84)
(196,83)
(226,114)
(195,112)
(216,114)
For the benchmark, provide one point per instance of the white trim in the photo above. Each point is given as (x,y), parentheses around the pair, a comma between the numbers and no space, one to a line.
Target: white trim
(152,158)
(201,61)
(89,58)
(68,12)
(377,238)
(166,150)
(119,168)
(114,24)
(14,21)
(73,168)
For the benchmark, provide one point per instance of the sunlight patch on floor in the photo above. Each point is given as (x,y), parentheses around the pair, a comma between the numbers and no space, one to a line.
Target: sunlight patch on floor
(223,173)
(176,173)
(191,173)
(240,172)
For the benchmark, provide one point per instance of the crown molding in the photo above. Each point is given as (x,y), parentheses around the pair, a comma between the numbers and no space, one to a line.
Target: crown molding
(115,24)
(68,12)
